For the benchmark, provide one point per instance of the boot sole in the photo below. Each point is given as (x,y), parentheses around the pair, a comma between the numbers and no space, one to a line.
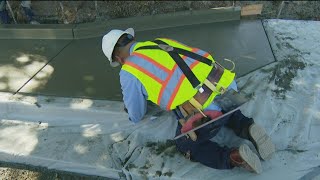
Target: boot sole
(261,141)
(250,158)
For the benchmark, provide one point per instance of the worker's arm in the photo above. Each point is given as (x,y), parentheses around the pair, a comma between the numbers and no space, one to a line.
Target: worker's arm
(214,106)
(134,96)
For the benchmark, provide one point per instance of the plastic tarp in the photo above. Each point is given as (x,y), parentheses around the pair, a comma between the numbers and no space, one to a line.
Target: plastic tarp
(95,137)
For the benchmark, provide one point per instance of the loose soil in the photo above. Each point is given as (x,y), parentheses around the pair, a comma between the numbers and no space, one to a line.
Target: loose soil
(75,12)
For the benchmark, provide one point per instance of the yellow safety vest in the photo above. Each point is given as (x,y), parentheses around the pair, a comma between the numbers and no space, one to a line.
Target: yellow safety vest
(164,82)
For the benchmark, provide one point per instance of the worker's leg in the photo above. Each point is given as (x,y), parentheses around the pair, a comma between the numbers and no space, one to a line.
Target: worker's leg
(204,151)
(26,5)
(245,128)
(215,156)
(4,13)
(2,5)
(212,154)
(239,124)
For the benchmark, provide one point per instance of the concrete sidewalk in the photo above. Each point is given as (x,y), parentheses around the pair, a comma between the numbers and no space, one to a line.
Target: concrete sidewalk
(68,61)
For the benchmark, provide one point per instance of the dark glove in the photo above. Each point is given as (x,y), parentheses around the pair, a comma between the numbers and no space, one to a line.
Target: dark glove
(125,109)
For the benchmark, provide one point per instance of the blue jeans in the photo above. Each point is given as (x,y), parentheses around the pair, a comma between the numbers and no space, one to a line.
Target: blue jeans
(211,153)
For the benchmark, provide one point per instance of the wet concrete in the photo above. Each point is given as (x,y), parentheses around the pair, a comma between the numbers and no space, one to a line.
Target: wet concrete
(81,70)
(21,59)
(76,66)
(39,31)
(243,42)
(159,21)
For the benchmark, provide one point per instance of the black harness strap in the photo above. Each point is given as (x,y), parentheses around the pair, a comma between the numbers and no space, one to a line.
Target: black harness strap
(184,52)
(148,47)
(185,69)
(194,56)
(190,54)
(174,53)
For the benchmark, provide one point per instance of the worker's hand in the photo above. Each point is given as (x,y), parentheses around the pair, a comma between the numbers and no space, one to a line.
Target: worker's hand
(198,119)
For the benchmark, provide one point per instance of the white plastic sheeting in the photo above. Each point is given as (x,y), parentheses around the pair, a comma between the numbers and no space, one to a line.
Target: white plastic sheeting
(95,137)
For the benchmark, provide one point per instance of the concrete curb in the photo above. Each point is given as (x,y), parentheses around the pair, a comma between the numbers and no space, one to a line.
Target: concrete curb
(161,21)
(143,23)
(39,31)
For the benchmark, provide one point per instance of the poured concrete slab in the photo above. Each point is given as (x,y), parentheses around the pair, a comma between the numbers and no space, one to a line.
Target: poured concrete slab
(81,70)
(21,59)
(243,42)
(39,31)
(158,21)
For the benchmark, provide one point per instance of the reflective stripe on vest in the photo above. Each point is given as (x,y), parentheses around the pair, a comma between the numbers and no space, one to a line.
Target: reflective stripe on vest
(164,82)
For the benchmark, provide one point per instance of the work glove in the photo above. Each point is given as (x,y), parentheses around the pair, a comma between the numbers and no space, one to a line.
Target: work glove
(125,109)
(198,119)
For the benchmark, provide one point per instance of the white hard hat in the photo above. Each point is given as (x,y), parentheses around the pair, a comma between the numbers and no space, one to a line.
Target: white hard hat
(109,41)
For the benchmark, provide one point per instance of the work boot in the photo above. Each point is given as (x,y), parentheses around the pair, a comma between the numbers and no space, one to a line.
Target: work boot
(261,141)
(4,17)
(245,158)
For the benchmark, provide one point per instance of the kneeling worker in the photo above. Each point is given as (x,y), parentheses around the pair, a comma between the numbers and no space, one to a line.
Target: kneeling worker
(185,80)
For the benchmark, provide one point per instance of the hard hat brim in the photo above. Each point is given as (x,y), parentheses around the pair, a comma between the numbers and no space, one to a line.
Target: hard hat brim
(108,51)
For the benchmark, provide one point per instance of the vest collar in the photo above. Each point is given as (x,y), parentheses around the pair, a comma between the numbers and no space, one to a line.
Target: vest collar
(132,48)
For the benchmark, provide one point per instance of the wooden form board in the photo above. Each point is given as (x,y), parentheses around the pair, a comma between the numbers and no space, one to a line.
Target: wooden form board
(253,9)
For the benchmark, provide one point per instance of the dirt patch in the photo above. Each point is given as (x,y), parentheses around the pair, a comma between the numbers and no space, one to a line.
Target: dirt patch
(169,173)
(20,171)
(10,173)
(168,148)
(283,73)
(74,12)
(162,149)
